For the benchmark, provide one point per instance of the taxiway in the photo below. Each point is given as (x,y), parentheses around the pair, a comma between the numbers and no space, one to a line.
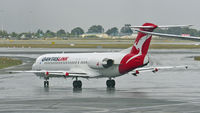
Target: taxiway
(163,92)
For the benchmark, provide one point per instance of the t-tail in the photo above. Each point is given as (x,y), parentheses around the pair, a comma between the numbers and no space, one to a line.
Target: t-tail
(142,42)
(145,32)
(137,56)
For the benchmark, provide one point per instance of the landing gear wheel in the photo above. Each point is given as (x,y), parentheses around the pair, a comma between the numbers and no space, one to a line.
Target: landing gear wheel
(77,84)
(110,83)
(46,83)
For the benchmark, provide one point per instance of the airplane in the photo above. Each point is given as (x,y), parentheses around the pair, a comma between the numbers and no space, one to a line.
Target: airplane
(99,65)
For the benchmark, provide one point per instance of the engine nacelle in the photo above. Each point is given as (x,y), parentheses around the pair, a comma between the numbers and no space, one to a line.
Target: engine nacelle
(100,64)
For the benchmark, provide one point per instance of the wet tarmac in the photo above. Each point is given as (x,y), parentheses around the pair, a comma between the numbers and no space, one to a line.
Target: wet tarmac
(171,91)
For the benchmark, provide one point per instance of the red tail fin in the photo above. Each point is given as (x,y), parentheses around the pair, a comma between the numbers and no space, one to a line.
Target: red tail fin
(136,57)
(142,42)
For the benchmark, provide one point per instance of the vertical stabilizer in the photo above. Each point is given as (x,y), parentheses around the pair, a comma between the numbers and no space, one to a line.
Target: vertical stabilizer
(137,56)
(142,42)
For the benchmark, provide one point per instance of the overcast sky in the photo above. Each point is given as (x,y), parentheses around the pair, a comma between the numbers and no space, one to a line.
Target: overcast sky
(30,15)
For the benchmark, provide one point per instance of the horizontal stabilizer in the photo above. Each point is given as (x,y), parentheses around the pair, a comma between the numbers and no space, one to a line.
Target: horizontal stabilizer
(169,26)
(165,26)
(171,35)
(141,27)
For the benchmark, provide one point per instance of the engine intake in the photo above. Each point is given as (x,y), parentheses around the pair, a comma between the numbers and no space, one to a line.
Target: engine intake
(107,63)
(100,64)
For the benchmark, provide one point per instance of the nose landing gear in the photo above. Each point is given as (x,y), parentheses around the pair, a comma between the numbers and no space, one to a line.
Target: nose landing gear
(46,83)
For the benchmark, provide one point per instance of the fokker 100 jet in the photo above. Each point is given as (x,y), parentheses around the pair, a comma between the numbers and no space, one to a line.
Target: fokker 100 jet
(99,65)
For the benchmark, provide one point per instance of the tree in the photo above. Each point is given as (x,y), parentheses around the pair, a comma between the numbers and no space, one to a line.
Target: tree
(77,31)
(113,31)
(39,33)
(61,33)
(13,34)
(49,34)
(68,34)
(126,30)
(96,29)
(28,35)
(3,34)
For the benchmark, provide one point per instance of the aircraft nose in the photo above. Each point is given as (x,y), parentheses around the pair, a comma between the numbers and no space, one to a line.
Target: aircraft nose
(34,66)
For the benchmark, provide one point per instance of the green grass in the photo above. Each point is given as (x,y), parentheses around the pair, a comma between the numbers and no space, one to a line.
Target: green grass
(67,45)
(197,58)
(7,62)
(152,46)
(92,43)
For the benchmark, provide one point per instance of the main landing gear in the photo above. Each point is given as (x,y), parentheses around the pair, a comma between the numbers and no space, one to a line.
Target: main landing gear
(110,83)
(77,84)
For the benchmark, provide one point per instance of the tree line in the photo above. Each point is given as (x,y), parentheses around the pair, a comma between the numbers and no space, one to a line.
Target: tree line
(94,29)
(75,32)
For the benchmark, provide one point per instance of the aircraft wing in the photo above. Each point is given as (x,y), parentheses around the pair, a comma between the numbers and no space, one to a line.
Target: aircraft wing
(56,73)
(155,69)
(171,35)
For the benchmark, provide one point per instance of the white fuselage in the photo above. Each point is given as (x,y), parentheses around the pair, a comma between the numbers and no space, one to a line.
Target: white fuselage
(80,62)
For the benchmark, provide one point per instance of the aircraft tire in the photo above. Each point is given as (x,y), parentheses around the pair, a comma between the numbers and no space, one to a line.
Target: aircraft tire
(46,83)
(77,84)
(110,83)
(113,83)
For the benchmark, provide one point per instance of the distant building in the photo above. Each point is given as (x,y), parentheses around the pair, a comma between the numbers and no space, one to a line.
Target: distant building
(185,35)
(99,35)
(133,36)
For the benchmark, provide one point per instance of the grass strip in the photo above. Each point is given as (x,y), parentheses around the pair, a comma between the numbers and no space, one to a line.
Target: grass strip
(8,62)
(197,58)
(152,46)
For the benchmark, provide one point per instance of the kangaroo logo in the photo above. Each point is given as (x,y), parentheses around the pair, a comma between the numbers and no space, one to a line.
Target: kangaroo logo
(138,45)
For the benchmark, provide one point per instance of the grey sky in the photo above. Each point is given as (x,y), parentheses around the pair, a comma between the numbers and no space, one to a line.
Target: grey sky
(30,15)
